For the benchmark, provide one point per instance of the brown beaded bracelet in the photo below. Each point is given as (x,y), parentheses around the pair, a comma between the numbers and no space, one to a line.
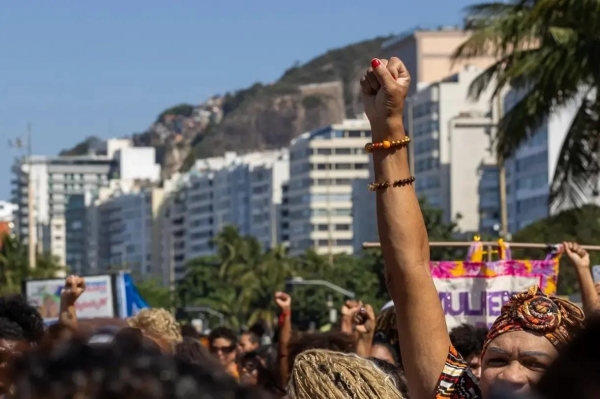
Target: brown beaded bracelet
(397,183)
(386,144)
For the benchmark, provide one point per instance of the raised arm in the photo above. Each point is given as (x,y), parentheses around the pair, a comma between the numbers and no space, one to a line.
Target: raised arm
(580,260)
(74,287)
(423,336)
(284,302)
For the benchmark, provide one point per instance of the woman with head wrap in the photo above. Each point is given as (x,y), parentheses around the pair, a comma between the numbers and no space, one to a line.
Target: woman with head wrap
(532,326)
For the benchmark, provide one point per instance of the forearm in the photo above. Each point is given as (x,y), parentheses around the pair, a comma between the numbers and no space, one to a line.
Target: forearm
(68,314)
(424,340)
(363,346)
(589,295)
(285,334)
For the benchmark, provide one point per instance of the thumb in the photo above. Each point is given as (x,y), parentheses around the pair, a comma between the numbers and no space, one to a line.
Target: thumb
(383,75)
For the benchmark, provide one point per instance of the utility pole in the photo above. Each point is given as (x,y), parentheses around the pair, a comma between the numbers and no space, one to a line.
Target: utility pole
(501,177)
(32,236)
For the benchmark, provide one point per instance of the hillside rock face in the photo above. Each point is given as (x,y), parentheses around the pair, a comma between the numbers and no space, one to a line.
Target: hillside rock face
(321,92)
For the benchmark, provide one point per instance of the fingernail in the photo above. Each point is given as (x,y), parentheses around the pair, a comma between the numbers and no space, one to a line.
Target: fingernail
(375,63)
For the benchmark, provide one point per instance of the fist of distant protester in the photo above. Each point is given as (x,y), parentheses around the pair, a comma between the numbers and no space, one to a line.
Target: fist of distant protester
(578,256)
(74,287)
(367,320)
(384,90)
(283,300)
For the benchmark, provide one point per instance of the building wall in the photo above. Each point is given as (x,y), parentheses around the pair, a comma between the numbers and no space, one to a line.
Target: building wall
(530,171)
(448,152)
(323,164)
(427,54)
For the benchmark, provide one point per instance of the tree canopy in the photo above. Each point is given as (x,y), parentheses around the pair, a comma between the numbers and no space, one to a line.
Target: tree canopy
(547,51)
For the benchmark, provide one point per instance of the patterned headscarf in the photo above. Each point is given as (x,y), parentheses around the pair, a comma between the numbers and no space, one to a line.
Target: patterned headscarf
(556,319)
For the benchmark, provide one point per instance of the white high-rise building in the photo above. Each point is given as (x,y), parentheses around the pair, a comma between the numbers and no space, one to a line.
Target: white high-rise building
(60,185)
(239,190)
(530,171)
(123,235)
(454,161)
(323,165)
(267,178)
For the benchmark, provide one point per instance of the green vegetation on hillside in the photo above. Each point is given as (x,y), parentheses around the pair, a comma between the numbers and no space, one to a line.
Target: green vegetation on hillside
(178,110)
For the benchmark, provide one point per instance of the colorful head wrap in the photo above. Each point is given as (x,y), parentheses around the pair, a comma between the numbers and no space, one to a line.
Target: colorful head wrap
(556,319)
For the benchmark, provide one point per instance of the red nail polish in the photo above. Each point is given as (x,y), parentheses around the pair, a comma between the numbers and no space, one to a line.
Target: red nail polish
(375,63)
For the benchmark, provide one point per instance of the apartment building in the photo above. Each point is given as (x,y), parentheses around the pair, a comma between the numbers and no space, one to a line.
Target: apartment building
(7,211)
(451,147)
(267,179)
(60,185)
(323,165)
(529,173)
(427,54)
(54,181)
(239,190)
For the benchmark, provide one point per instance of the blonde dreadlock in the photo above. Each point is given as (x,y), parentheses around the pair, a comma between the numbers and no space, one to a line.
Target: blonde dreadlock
(322,374)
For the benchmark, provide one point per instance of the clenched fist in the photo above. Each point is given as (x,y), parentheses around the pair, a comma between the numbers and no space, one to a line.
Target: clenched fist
(74,287)
(384,90)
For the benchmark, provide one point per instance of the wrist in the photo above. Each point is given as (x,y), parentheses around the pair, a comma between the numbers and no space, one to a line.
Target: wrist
(391,128)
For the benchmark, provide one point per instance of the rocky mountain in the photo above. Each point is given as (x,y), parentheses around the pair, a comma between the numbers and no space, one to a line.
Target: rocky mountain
(322,91)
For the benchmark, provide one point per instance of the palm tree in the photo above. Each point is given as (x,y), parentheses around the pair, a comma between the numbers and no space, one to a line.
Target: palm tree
(14,265)
(548,50)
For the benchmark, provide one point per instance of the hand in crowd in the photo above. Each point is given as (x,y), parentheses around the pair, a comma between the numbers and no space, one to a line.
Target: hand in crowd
(364,318)
(283,300)
(578,256)
(74,287)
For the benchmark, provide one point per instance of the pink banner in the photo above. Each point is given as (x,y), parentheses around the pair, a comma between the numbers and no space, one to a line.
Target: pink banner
(474,292)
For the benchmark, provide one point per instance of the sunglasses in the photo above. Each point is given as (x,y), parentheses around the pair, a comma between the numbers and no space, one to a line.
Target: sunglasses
(223,349)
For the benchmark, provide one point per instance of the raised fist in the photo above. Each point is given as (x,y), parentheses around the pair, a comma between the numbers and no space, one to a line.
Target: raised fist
(578,256)
(283,300)
(74,287)
(384,90)
(365,319)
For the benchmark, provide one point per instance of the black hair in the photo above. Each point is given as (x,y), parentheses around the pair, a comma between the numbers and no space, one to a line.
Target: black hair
(187,330)
(394,372)
(259,329)
(381,340)
(19,320)
(190,350)
(73,368)
(266,377)
(222,332)
(255,339)
(333,341)
(468,340)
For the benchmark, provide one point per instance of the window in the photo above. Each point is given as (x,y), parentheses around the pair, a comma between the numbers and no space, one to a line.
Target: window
(323,151)
(343,151)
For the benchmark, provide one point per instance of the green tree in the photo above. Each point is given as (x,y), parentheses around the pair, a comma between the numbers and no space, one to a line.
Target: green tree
(155,294)
(580,225)
(14,265)
(547,50)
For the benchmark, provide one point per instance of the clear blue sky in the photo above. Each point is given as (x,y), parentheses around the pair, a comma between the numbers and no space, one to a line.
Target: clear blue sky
(107,68)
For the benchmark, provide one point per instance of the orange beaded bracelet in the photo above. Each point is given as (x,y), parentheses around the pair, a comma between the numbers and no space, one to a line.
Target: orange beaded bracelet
(386,144)
(397,183)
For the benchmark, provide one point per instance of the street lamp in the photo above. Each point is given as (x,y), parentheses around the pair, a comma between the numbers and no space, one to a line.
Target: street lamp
(322,283)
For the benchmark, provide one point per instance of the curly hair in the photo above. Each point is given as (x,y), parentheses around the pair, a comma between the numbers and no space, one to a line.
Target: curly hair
(333,341)
(19,320)
(324,374)
(468,340)
(129,369)
(157,323)
(386,332)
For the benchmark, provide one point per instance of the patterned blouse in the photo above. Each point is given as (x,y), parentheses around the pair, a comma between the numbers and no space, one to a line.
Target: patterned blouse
(457,381)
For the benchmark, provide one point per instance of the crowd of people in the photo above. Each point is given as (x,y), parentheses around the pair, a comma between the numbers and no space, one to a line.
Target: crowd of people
(540,346)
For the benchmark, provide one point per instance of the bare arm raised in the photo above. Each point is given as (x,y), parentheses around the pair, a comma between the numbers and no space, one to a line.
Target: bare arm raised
(424,340)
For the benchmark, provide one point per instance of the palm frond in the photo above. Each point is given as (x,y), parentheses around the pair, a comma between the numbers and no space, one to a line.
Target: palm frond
(578,167)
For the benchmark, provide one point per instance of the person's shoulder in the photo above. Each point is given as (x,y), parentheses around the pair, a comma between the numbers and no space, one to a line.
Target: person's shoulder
(457,380)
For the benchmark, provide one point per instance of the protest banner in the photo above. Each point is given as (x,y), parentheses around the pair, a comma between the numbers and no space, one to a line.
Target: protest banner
(474,291)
